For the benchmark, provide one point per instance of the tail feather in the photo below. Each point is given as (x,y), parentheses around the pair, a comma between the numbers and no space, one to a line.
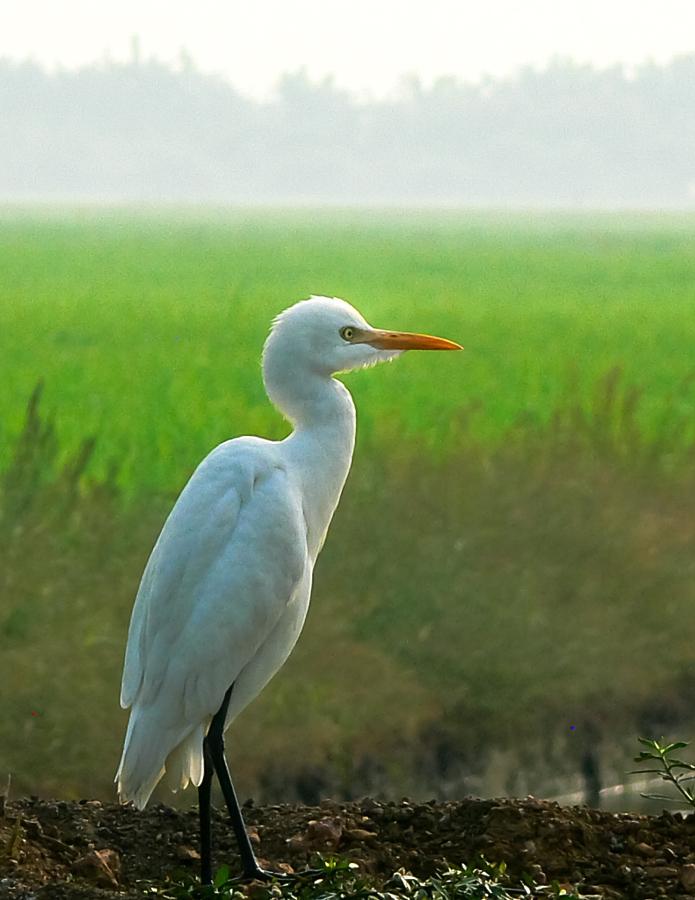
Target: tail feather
(185,763)
(150,751)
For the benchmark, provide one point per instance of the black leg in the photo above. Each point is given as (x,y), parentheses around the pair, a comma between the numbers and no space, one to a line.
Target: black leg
(204,815)
(213,749)
(214,745)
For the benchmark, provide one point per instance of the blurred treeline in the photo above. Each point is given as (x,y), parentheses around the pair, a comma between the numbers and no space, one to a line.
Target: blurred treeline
(569,135)
(495,621)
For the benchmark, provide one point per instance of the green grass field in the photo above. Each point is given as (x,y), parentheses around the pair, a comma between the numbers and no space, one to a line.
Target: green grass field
(147,330)
(515,551)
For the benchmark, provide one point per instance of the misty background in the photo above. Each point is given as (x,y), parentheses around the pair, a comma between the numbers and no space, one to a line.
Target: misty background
(567,135)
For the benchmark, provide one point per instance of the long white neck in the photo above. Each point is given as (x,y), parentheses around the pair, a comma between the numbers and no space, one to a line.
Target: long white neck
(319,450)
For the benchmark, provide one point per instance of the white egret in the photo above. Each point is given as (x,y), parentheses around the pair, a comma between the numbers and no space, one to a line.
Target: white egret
(226,589)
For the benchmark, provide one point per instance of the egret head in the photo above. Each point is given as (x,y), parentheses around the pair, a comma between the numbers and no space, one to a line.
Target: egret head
(324,335)
(318,337)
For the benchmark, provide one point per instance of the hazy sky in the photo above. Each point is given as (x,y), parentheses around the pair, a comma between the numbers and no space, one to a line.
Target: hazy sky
(366,44)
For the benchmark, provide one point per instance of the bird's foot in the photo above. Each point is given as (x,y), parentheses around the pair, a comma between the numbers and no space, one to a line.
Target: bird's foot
(265,875)
(258,873)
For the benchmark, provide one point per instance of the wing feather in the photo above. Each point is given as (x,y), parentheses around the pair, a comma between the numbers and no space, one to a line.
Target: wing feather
(228,561)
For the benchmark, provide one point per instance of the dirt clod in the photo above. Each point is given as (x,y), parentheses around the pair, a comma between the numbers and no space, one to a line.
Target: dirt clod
(186,854)
(100,866)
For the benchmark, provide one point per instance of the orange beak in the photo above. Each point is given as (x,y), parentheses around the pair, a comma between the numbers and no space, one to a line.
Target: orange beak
(405,340)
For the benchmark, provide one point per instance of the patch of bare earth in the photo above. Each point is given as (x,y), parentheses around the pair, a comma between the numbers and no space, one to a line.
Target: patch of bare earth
(61,850)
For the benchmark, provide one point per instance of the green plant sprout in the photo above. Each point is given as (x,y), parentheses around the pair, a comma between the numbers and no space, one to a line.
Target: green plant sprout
(340,880)
(670,769)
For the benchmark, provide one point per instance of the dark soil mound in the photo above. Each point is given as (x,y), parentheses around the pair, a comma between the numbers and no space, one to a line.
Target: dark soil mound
(89,850)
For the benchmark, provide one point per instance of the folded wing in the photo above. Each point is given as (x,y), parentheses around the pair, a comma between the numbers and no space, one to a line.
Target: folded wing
(228,561)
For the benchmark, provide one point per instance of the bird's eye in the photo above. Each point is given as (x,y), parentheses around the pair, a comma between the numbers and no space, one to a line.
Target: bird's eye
(347,334)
